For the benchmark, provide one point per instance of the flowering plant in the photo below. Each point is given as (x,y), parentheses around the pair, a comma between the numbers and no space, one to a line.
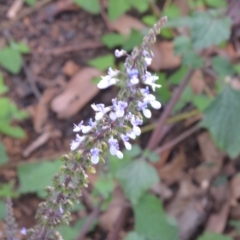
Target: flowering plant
(112,125)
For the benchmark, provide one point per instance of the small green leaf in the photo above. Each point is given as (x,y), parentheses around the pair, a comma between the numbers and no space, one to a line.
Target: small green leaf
(149,20)
(222,66)
(3,154)
(30,175)
(172,12)
(151,221)
(140,5)
(151,156)
(134,39)
(134,236)
(216,3)
(136,177)
(7,190)
(236,225)
(9,130)
(178,76)
(214,236)
(91,6)
(220,118)
(30,2)
(112,40)
(3,210)
(3,87)
(117,8)
(104,186)
(103,62)
(163,93)
(20,47)
(201,102)
(11,60)
(167,33)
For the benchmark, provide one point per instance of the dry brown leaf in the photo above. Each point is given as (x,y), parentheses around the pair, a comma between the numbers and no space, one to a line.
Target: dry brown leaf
(164,57)
(172,172)
(235,190)
(213,159)
(162,190)
(197,82)
(125,24)
(78,92)
(184,7)
(41,110)
(70,68)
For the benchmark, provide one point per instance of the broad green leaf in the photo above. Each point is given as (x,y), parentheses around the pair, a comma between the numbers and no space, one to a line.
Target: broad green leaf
(116,8)
(209,28)
(34,177)
(11,60)
(216,3)
(30,2)
(20,47)
(167,33)
(221,119)
(12,131)
(104,186)
(149,20)
(134,236)
(91,6)
(214,236)
(3,210)
(112,40)
(134,39)
(151,221)
(7,190)
(3,87)
(3,154)
(172,12)
(222,66)
(136,177)
(201,102)
(140,5)
(103,62)
(236,225)
(178,76)
(151,156)
(163,93)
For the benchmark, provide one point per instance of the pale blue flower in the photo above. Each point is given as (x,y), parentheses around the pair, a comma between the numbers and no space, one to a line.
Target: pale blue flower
(100,110)
(76,143)
(150,79)
(114,148)
(95,155)
(125,139)
(78,128)
(119,53)
(119,108)
(142,106)
(88,128)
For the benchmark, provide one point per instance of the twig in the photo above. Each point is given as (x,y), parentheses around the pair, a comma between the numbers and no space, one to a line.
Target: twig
(14,9)
(178,139)
(156,134)
(94,214)
(24,13)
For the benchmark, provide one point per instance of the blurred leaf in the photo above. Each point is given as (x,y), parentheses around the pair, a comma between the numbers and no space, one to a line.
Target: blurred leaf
(11,60)
(151,156)
(214,236)
(151,221)
(20,47)
(104,186)
(178,76)
(3,87)
(163,93)
(7,190)
(30,2)
(222,66)
(7,129)
(134,39)
(112,40)
(3,210)
(236,225)
(140,5)
(134,236)
(103,62)
(149,20)
(30,175)
(172,12)
(220,118)
(201,102)
(116,8)
(167,33)
(216,3)
(134,152)
(3,154)
(91,6)
(136,177)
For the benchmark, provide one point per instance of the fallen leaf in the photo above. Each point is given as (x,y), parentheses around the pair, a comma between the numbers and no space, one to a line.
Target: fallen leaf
(164,57)
(78,92)
(197,82)
(125,24)
(235,190)
(70,68)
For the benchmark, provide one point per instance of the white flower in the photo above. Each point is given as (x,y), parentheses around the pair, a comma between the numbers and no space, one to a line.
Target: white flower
(125,139)
(119,53)
(151,99)
(106,82)
(76,143)
(114,148)
(131,134)
(119,108)
(95,155)
(148,57)
(100,110)
(77,128)
(135,123)
(150,79)
(142,106)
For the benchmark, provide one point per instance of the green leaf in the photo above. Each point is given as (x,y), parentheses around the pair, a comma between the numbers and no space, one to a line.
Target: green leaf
(104,186)
(151,156)
(236,225)
(20,47)
(214,236)
(216,3)
(134,236)
(140,5)
(220,118)
(3,154)
(30,2)
(201,102)
(209,28)
(178,76)
(91,6)
(11,60)
(103,62)
(3,87)
(136,177)
(112,40)
(9,130)
(151,221)
(149,20)
(7,190)
(134,39)
(117,8)
(163,93)
(30,175)
(172,12)
(222,66)
(3,210)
